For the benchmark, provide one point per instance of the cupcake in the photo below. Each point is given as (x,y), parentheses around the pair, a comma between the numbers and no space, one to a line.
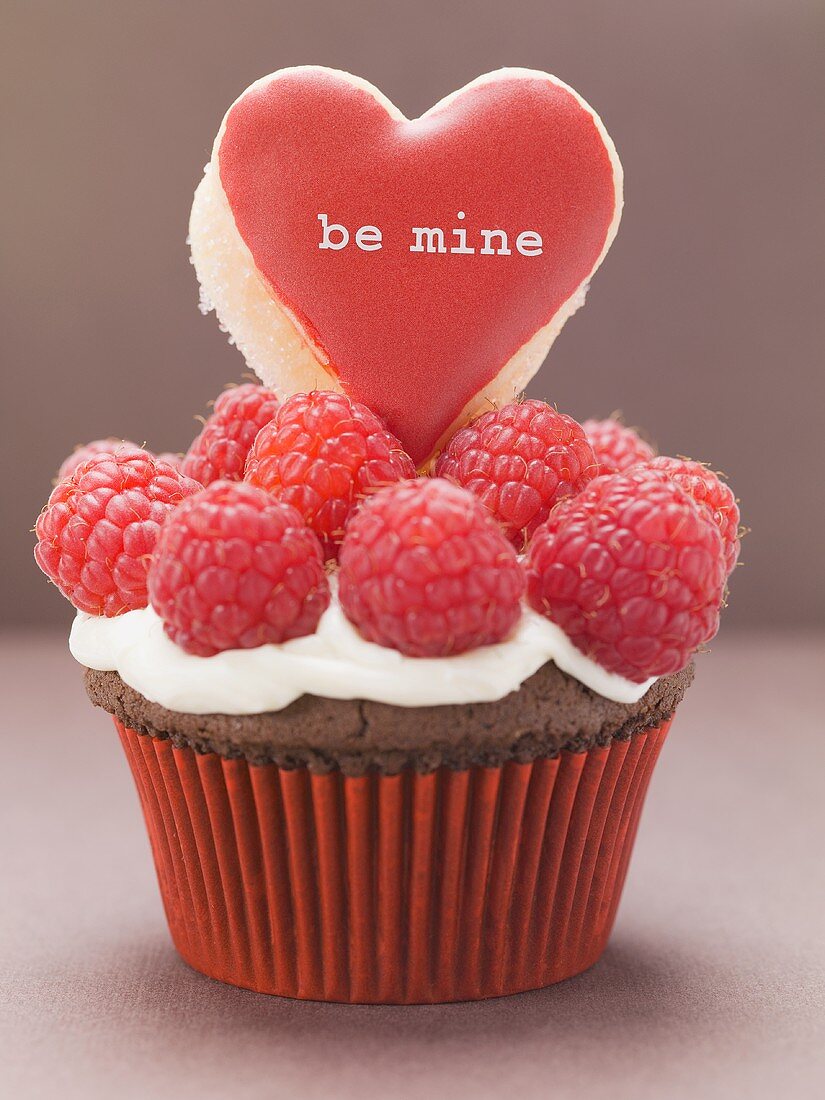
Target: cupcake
(392,675)
(352,850)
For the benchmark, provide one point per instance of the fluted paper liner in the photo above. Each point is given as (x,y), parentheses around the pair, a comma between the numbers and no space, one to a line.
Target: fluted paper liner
(410,888)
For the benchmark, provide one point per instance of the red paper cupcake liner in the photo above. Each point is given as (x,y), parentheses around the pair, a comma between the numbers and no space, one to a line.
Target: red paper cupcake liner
(410,888)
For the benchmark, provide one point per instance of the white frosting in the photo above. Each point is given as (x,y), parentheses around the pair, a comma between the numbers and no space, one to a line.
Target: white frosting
(335,662)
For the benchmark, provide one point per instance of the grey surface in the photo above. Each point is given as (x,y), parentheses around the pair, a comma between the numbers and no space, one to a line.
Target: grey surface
(713,985)
(705,324)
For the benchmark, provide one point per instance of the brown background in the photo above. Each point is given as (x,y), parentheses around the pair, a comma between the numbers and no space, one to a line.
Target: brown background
(704,324)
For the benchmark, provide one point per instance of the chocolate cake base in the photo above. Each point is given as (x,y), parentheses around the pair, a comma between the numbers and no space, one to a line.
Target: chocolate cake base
(551,712)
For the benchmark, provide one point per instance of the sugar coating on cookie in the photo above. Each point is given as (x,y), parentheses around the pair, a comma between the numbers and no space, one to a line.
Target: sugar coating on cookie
(422,266)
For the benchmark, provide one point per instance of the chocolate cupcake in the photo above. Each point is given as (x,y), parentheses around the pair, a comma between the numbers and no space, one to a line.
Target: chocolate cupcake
(392,660)
(354,849)
(330,851)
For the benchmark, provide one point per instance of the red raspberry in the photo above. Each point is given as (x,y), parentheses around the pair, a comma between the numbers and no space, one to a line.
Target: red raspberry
(520,461)
(323,453)
(235,569)
(633,572)
(616,447)
(426,570)
(88,450)
(99,528)
(707,488)
(221,448)
(173,459)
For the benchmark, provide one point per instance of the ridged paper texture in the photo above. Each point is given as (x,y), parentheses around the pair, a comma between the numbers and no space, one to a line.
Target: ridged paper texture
(451,885)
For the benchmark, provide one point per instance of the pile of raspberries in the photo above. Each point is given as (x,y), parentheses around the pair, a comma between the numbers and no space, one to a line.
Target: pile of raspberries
(234,544)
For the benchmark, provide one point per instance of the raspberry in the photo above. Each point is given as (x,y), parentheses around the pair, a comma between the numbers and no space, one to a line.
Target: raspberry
(323,453)
(707,488)
(519,461)
(88,450)
(221,448)
(172,458)
(633,572)
(235,569)
(426,570)
(616,447)
(99,528)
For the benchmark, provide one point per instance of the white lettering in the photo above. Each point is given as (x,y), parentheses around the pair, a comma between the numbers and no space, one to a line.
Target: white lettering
(368,238)
(529,243)
(462,241)
(435,240)
(325,241)
(495,242)
(488,249)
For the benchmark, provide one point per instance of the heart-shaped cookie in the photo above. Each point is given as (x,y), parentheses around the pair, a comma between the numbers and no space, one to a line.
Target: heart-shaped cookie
(423,266)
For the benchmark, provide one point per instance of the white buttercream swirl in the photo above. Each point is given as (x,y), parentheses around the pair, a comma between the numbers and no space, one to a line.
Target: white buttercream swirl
(335,662)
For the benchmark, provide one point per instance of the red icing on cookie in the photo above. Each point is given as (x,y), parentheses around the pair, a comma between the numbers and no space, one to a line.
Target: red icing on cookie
(415,335)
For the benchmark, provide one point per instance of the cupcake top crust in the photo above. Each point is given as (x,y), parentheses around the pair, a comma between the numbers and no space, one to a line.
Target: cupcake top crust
(550,713)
